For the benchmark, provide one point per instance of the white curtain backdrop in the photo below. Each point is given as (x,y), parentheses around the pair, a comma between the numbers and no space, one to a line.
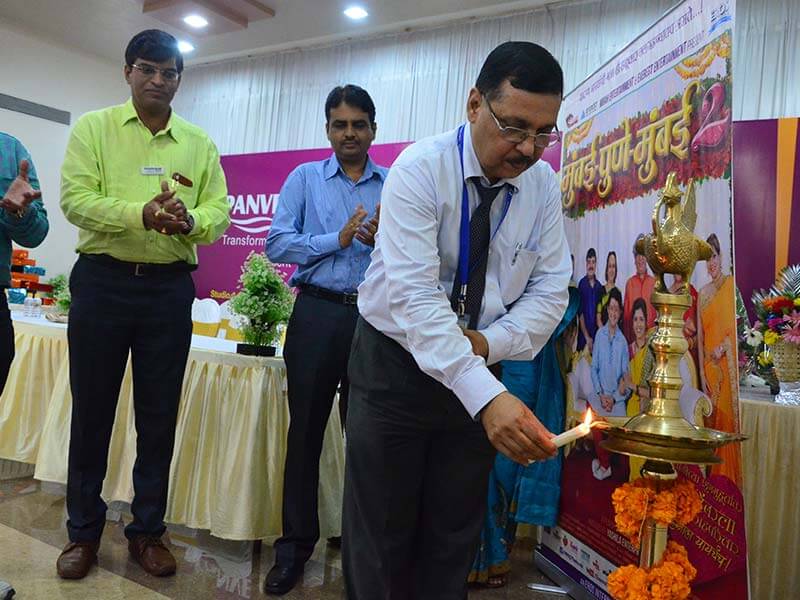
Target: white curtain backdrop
(419,80)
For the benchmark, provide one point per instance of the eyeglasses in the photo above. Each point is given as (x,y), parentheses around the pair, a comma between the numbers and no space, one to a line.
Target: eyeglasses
(149,71)
(515,135)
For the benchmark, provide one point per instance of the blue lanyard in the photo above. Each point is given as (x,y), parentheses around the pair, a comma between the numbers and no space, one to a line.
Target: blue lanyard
(464,267)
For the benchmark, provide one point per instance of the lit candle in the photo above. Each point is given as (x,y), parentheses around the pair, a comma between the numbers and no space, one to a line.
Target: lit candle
(575,433)
(562,439)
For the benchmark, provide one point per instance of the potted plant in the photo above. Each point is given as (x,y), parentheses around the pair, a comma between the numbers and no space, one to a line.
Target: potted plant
(61,298)
(264,301)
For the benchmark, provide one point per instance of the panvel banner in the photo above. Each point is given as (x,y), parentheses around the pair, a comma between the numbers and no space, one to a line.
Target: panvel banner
(662,105)
(254,184)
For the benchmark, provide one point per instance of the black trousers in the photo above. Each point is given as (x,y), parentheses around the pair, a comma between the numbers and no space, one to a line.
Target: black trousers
(415,481)
(318,340)
(113,313)
(6,340)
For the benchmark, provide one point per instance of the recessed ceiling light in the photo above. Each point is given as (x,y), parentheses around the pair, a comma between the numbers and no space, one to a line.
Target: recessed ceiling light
(185,47)
(356,13)
(195,21)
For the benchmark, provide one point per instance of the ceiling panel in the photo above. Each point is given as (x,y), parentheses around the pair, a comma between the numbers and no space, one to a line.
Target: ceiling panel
(102,27)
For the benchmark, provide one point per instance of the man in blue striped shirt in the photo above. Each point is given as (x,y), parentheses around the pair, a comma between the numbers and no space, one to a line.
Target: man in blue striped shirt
(325,223)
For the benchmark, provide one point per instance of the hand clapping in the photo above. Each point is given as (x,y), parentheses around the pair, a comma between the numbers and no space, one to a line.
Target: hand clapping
(352,226)
(166,213)
(366,233)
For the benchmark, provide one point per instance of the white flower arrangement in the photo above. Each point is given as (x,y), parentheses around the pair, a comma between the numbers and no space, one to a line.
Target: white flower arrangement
(753,337)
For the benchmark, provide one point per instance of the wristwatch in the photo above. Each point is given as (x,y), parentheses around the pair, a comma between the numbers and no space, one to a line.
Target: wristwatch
(190,220)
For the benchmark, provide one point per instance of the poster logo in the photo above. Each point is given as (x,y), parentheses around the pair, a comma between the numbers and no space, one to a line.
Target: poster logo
(253,213)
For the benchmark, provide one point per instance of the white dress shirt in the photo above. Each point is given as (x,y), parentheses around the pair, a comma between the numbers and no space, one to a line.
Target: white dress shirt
(407,286)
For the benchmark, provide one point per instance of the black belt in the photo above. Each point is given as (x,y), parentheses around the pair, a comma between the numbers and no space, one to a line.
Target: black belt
(329,295)
(141,269)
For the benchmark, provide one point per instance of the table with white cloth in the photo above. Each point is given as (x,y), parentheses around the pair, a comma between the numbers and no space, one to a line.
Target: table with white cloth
(230,443)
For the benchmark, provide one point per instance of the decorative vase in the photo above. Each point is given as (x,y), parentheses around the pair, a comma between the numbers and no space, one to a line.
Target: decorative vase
(786,358)
(255,350)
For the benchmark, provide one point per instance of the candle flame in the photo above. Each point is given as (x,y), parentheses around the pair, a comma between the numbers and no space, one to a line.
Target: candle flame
(588,419)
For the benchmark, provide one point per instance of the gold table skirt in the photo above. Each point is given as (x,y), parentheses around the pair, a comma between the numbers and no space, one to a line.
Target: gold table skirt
(771,473)
(230,444)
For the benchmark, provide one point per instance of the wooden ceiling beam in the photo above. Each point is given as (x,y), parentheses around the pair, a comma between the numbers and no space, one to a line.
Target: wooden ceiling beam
(262,7)
(154,5)
(224,12)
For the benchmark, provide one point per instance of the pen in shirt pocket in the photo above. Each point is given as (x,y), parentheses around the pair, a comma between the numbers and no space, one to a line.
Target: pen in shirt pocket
(517,248)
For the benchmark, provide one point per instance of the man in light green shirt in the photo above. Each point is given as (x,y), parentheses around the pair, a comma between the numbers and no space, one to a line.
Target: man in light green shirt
(144,187)
(112,175)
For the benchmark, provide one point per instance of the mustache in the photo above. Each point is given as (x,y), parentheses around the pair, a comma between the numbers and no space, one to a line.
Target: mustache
(521,161)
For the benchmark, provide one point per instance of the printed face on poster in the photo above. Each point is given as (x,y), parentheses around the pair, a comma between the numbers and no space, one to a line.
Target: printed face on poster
(662,105)
(254,184)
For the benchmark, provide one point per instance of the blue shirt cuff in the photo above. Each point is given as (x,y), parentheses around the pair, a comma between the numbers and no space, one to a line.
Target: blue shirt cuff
(327,242)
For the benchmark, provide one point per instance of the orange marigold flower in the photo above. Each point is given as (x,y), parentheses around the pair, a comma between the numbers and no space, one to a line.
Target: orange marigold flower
(688,502)
(676,553)
(631,503)
(664,510)
(628,583)
(668,582)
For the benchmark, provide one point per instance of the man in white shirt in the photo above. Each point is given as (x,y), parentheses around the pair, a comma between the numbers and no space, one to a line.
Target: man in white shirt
(450,293)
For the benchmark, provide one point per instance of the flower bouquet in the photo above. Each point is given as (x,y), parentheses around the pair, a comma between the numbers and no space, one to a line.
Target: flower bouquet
(778,329)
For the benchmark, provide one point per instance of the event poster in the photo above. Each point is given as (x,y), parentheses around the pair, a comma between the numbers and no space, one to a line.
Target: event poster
(254,184)
(662,105)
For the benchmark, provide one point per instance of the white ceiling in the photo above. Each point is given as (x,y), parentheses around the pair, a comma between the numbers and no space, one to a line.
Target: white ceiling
(103,27)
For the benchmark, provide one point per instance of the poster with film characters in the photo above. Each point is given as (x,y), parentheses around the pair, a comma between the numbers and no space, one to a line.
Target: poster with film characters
(661,106)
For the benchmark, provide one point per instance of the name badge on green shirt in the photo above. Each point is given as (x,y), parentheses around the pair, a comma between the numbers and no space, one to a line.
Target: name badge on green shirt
(152,170)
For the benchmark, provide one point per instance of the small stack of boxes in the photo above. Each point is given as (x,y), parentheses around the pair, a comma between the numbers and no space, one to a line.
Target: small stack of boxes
(25,279)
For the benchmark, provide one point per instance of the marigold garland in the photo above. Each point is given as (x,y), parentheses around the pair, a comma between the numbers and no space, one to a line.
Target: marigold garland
(695,66)
(633,504)
(667,580)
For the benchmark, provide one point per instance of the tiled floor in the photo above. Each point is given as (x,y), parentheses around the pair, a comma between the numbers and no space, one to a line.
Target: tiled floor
(32,533)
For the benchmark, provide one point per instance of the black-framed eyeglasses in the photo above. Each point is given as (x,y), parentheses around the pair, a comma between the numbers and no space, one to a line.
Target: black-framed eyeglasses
(149,71)
(515,135)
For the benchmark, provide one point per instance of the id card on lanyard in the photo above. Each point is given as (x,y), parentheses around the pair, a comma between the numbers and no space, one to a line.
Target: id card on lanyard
(464,268)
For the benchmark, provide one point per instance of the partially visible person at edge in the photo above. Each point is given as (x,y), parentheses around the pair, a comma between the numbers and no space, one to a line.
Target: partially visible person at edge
(23,221)
(132,291)
(527,494)
(427,415)
(718,366)
(326,224)
(639,285)
(591,291)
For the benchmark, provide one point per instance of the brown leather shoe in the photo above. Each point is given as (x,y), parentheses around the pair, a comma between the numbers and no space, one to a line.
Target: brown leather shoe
(149,551)
(76,559)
